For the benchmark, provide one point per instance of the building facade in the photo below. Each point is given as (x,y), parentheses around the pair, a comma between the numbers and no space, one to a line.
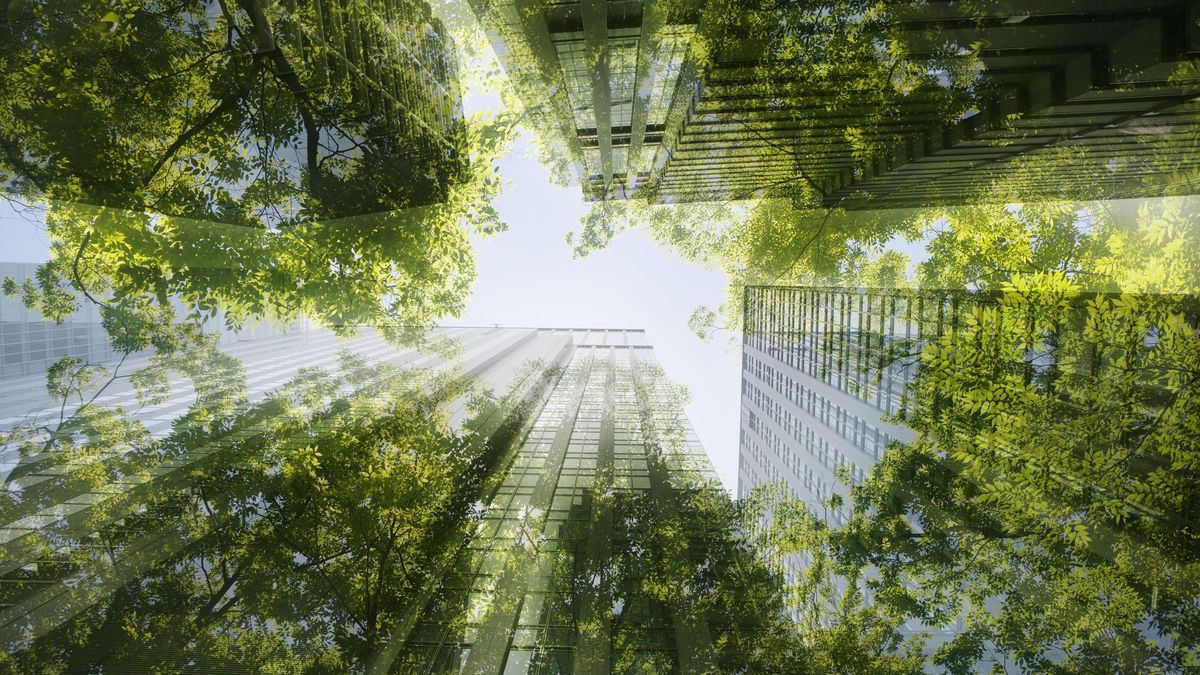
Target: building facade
(31,344)
(814,390)
(689,105)
(591,469)
(825,379)
(554,580)
(825,385)
(600,78)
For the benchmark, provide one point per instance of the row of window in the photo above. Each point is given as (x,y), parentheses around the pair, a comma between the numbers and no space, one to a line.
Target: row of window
(857,342)
(861,432)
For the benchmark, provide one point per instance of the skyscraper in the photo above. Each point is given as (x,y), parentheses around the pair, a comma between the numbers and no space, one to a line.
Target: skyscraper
(552,582)
(825,373)
(600,77)
(31,343)
(718,101)
(817,383)
(989,387)
(589,544)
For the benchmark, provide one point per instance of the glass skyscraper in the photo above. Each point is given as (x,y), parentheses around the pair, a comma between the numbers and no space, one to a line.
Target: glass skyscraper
(551,582)
(817,383)
(601,78)
(30,343)
(697,102)
(585,549)
(825,379)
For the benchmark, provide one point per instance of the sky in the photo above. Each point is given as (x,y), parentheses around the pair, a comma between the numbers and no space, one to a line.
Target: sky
(21,239)
(527,277)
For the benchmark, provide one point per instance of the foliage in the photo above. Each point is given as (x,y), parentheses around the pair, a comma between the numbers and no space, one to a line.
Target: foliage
(305,532)
(229,112)
(1049,500)
(530,85)
(1044,502)
(695,555)
(236,157)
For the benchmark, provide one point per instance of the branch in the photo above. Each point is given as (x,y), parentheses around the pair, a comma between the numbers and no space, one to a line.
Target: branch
(207,613)
(112,379)
(807,244)
(791,151)
(75,271)
(329,583)
(286,75)
(747,193)
(226,105)
(188,67)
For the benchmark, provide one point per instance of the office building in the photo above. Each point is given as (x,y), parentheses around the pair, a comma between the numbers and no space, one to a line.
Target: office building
(599,78)
(589,457)
(553,582)
(825,375)
(31,345)
(1085,99)
(815,392)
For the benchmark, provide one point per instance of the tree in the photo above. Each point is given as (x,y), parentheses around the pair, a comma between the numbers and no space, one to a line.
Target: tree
(301,536)
(247,158)
(234,112)
(702,556)
(1048,500)
(1044,501)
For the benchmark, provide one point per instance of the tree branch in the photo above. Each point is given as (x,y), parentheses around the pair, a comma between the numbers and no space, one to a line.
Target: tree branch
(226,105)
(286,75)
(791,151)
(189,66)
(807,244)
(75,271)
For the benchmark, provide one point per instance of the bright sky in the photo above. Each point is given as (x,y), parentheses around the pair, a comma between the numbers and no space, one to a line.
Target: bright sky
(23,239)
(527,277)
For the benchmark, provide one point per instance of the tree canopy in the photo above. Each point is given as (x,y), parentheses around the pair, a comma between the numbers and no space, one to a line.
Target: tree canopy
(1050,495)
(301,530)
(248,159)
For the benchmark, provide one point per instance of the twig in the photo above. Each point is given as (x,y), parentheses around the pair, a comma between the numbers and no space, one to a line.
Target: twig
(807,244)
(75,271)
